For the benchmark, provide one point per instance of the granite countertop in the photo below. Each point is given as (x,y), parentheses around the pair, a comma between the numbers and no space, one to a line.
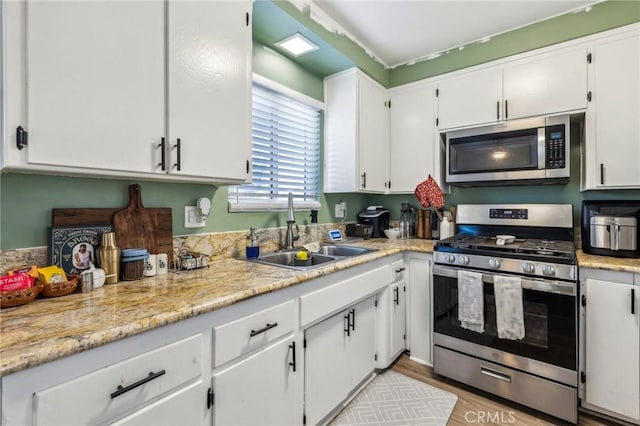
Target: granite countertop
(48,329)
(610,263)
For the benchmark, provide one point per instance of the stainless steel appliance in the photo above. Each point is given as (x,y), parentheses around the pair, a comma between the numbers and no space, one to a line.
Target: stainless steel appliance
(610,228)
(539,368)
(533,150)
(377,217)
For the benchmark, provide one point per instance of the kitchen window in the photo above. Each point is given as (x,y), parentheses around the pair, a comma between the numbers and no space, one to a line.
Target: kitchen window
(285,154)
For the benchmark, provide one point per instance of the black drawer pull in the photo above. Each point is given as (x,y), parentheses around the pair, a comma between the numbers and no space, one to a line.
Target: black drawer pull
(347,320)
(263,329)
(398,270)
(123,389)
(292,346)
(633,301)
(352,314)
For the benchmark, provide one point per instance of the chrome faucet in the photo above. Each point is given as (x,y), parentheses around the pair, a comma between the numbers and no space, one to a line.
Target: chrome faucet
(290,237)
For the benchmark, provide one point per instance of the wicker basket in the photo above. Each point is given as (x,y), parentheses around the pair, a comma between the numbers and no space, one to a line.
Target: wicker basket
(9,299)
(61,289)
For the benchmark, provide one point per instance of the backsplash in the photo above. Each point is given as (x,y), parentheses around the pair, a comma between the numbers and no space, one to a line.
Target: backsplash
(215,244)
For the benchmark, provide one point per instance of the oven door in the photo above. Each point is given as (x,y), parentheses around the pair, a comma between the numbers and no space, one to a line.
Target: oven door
(549,309)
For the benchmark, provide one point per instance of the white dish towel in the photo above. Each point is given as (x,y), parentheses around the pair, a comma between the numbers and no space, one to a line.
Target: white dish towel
(470,301)
(509,311)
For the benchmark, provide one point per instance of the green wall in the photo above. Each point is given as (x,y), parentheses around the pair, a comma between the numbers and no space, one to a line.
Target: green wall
(603,16)
(553,194)
(26,200)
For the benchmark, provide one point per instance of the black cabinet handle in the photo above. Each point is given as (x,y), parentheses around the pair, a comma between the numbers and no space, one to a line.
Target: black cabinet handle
(498,110)
(506,109)
(347,322)
(364,180)
(263,329)
(396,295)
(123,389)
(601,173)
(292,346)
(178,145)
(22,137)
(163,155)
(400,269)
(633,301)
(352,314)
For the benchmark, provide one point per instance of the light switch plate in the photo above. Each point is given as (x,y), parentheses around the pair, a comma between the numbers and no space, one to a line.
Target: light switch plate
(192,219)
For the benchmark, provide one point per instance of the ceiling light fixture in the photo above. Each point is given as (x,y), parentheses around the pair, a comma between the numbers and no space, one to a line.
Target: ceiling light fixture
(297,45)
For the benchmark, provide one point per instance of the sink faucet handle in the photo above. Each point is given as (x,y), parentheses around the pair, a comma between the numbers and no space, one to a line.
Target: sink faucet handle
(296,237)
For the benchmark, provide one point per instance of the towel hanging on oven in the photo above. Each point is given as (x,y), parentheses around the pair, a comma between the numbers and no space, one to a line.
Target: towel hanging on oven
(509,309)
(470,301)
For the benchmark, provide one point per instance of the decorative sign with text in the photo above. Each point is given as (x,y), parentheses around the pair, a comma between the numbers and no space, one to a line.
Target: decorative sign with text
(75,248)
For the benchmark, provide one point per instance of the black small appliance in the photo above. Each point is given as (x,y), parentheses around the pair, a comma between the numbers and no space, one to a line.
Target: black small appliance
(376,216)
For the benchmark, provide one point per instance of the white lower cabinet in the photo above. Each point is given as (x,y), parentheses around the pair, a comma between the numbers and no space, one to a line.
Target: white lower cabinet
(261,389)
(184,408)
(419,307)
(610,352)
(339,354)
(391,319)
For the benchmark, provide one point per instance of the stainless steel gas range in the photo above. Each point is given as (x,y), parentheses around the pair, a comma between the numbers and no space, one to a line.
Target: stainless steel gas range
(505,304)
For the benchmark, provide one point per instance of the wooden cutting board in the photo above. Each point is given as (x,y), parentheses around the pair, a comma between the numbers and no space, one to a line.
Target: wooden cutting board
(158,235)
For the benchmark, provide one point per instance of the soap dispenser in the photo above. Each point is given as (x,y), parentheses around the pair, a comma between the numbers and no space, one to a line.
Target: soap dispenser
(252,249)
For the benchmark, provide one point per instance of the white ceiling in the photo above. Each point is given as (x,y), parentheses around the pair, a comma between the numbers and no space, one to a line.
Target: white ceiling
(397,32)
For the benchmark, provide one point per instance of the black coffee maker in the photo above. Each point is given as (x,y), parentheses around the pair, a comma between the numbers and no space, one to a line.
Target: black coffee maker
(377,217)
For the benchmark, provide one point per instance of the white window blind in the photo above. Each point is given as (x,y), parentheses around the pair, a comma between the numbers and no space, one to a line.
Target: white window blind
(285,154)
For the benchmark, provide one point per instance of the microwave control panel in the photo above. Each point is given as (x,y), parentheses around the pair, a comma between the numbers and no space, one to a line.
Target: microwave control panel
(555,147)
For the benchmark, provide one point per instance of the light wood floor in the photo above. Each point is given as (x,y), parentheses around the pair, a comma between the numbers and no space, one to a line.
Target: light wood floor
(473,404)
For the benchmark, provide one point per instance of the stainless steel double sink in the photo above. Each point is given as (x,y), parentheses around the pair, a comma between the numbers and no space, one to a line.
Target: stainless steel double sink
(327,253)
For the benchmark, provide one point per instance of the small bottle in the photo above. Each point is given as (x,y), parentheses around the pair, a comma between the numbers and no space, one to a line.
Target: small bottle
(109,256)
(252,250)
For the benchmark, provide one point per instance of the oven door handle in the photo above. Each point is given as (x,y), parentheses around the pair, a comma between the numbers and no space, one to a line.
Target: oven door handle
(546,286)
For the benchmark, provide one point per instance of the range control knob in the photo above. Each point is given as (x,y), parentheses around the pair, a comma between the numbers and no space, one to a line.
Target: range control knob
(464,260)
(494,263)
(450,258)
(548,270)
(528,268)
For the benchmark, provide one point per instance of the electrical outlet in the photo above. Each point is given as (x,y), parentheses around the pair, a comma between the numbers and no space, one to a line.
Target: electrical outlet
(340,209)
(192,219)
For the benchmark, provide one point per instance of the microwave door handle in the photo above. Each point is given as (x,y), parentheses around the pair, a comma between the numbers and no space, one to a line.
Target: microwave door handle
(614,236)
(542,149)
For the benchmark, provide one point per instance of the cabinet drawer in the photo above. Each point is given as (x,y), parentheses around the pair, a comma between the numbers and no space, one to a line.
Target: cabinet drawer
(244,335)
(93,398)
(331,299)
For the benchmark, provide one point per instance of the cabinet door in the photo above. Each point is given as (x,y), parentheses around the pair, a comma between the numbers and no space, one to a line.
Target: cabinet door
(210,88)
(554,83)
(419,315)
(185,407)
(412,135)
(372,136)
(398,317)
(361,349)
(260,390)
(95,84)
(470,99)
(612,342)
(612,129)
(327,378)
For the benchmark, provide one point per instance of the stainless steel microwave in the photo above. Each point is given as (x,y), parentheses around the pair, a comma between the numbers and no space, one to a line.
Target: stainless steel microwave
(532,150)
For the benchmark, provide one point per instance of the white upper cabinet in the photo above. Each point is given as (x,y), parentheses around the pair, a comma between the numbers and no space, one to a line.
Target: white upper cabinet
(543,84)
(209,89)
(414,147)
(107,88)
(356,138)
(546,84)
(611,153)
(95,85)
(473,98)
